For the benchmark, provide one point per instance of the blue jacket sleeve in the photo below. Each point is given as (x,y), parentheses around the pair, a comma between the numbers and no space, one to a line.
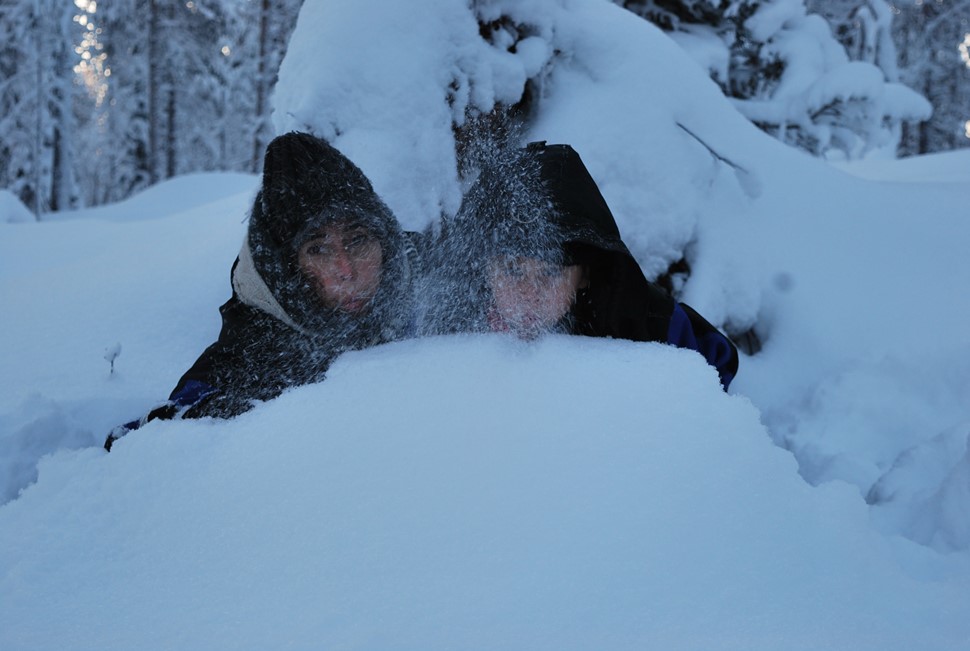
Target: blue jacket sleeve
(184,397)
(688,329)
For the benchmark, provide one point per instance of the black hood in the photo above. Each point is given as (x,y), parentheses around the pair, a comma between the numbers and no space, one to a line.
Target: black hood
(535,201)
(541,201)
(306,184)
(579,211)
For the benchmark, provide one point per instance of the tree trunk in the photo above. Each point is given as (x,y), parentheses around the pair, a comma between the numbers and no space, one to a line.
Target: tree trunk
(171,145)
(261,86)
(38,140)
(153,82)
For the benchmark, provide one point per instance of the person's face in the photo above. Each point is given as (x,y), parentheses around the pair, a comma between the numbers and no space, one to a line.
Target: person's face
(532,295)
(344,261)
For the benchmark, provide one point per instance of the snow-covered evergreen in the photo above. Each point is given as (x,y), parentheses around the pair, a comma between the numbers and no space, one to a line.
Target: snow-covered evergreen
(789,75)
(37,96)
(929,37)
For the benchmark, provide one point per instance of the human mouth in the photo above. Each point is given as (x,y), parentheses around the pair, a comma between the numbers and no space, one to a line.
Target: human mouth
(355,304)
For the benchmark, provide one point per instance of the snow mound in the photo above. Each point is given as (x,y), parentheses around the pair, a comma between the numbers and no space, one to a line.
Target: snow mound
(465,492)
(925,495)
(172,196)
(12,210)
(946,167)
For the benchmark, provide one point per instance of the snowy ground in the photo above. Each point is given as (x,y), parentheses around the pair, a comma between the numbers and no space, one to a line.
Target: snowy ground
(480,506)
(477,492)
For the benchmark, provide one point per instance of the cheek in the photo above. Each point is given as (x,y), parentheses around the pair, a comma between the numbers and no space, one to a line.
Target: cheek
(511,296)
(560,294)
(559,299)
(547,300)
(502,294)
(372,268)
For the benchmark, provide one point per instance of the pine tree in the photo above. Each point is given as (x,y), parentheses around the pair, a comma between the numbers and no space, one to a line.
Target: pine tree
(790,76)
(189,85)
(276,20)
(37,103)
(929,35)
(147,89)
(123,160)
(18,105)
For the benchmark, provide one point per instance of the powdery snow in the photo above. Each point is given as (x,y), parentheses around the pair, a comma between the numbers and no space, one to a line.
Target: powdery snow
(480,492)
(482,496)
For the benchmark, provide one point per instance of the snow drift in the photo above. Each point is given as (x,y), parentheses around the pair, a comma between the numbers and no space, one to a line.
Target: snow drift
(478,492)
(466,492)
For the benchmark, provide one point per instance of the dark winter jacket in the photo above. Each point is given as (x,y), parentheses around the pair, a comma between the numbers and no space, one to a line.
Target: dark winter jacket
(276,332)
(542,202)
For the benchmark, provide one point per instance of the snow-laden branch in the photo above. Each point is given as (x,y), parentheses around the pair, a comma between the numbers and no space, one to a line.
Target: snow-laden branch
(947,16)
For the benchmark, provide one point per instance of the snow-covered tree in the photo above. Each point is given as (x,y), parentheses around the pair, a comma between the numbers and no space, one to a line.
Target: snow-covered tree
(37,102)
(187,86)
(277,22)
(787,72)
(929,35)
(236,74)
(865,29)
(926,37)
(17,98)
(123,160)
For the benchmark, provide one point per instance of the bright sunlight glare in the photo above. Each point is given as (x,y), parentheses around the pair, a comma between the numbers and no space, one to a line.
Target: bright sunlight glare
(91,66)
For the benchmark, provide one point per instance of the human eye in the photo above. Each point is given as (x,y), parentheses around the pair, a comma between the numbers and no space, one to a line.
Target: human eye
(315,248)
(357,240)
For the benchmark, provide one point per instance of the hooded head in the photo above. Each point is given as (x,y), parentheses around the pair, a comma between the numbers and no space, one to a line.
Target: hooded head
(541,203)
(538,201)
(309,188)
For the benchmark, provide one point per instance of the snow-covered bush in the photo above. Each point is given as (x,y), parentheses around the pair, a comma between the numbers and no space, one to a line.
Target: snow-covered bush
(788,74)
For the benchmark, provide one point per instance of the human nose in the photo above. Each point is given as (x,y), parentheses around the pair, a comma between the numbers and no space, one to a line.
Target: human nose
(529,294)
(341,263)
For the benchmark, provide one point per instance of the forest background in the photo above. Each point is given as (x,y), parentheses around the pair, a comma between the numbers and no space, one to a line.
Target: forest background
(100,100)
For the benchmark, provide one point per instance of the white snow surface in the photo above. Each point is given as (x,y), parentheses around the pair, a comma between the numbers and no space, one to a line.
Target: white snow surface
(480,492)
(13,210)
(472,500)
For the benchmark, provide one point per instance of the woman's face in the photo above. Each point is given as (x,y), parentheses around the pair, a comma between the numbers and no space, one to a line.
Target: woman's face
(532,295)
(345,262)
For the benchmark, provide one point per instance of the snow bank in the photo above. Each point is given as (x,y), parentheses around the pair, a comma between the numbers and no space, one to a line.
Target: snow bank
(73,288)
(169,197)
(12,210)
(466,492)
(945,167)
(498,483)
(925,495)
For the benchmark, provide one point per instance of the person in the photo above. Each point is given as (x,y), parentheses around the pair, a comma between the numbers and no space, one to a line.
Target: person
(324,268)
(535,248)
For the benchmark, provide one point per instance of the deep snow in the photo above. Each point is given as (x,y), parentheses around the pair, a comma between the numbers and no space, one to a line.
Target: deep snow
(480,492)
(466,492)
